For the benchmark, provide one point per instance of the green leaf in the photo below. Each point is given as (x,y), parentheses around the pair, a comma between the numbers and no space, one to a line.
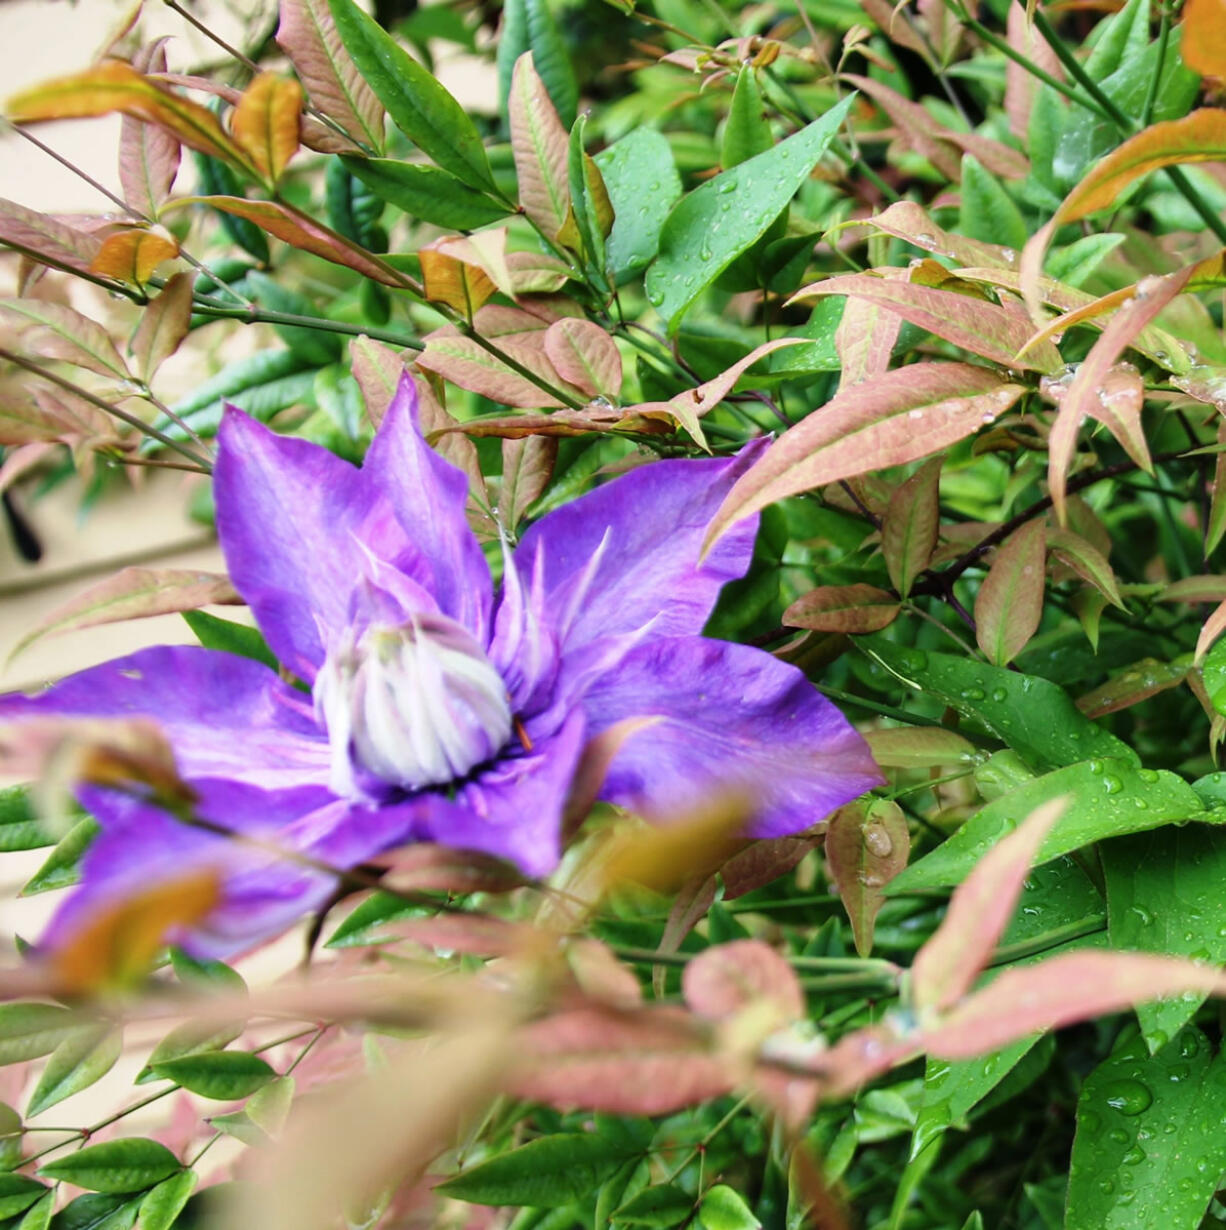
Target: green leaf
(38,1216)
(62,867)
(217,179)
(723,1209)
(315,347)
(1149,1146)
(1033,716)
(75,1064)
(1107,798)
(747,131)
(10,1138)
(546,1173)
(529,25)
(17,1193)
(361,926)
(190,1038)
(162,1206)
(30,1030)
(642,182)
(117,1166)
(987,210)
(20,828)
(1164,894)
(1075,262)
(223,1076)
(98,1212)
(711,226)
(427,194)
(586,188)
(418,105)
(215,633)
(656,1206)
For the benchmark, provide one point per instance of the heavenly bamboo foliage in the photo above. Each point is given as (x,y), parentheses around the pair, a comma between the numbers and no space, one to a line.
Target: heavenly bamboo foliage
(732,655)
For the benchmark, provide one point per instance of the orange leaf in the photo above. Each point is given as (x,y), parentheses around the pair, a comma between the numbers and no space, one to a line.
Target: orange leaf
(121,941)
(1204,37)
(265,123)
(449,279)
(1199,137)
(303,233)
(132,255)
(1010,600)
(115,86)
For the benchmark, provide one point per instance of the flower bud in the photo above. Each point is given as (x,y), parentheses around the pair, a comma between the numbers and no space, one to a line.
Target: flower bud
(410,706)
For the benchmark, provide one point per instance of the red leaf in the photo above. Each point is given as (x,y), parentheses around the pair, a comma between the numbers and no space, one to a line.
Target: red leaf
(585,355)
(723,981)
(852,609)
(764,861)
(899,417)
(866,847)
(539,146)
(978,913)
(912,521)
(1010,600)
(148,155)
(163,325)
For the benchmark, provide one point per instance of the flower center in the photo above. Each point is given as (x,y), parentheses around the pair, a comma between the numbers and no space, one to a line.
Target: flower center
(413,705)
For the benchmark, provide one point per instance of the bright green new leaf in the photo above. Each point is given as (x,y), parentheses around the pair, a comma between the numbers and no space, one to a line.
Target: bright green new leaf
(75,1064)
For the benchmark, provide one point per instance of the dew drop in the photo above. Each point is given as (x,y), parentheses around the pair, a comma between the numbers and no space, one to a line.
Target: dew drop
(726,187)
(1134,1157)
(1128,1096)
(1112,785)
(877,841)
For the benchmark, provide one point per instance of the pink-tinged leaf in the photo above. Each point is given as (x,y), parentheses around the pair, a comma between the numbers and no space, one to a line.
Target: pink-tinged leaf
(303,233)
(1021,85)
(1215,524)
(690,905)
(21,460)
(648,1063)
(986,329)
(60,332)
(133,255)
(465,362)
(1076,986)
(918,747)
(911,222)
(979,910)
(864,341)
(585,356)
(899,417)
(307,34)
(1133,685)
(601,976)
(447,278)
(540,146)
(265,123)
(46,236)
(725,980)
(536,273)
(437,425)
(1199,137)
(148,155)
(1084,394)
(527,467)
(944,29)
(895,26)
(853,609)
(426,868)
(866,847)
(942,146)
(912,521)
(114,86)
(762,862)
(1215,625)
(1009,604)
(163,325)
(477,934)
(1195,589)
(377,368)
(136,593)
(1087,562)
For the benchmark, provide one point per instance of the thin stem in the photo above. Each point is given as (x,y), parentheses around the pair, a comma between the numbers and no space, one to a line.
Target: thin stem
(872,706)
(1151,96)
(131,419)
(261,315)
(117,288)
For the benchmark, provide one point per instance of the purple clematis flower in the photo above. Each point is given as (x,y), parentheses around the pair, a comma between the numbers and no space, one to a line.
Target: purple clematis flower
(439,710)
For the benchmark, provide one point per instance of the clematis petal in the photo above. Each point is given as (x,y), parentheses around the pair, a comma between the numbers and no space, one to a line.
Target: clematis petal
(513,810)
(261,894)
(225,716)
(732,717)
(301,529)
(428,495)
(627,553)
